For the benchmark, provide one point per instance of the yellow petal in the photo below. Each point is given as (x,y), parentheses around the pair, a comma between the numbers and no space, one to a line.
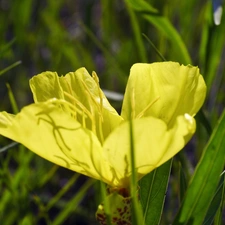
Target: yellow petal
(86,89)
(82,91)
(46,86)
(154,144)
(164,90)
(54,135)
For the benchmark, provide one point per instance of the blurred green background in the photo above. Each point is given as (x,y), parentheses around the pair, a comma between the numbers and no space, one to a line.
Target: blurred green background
(105,36)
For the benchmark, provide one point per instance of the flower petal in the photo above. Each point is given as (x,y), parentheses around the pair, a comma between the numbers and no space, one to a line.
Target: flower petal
(82,91)
(164,90)
(154,144)
(86,89)
(46,86)
(47,131)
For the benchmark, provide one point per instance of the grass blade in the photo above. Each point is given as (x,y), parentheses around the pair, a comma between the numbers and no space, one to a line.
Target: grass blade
(204,181)
(164,26)
(152,193)
(10,67)
(215,204)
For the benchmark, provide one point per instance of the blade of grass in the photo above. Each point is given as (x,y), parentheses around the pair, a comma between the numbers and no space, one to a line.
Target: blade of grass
(182,182)
(165,27)
(204,181)
(7,147)
(6,47)
(142,6)
(152,193)
(110,58)
(136,209)
(73,203)
(204,121)
(137,34)
(155,48)
(62,191)
(219,215)
(106,203)
(47,176)
(215,204)
(10,67)
(212,50)
(12,99)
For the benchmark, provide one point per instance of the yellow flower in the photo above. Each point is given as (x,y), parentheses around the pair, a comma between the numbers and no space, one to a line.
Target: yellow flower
(73,125)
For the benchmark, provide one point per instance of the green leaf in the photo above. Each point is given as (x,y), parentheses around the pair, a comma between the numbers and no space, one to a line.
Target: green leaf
(7,47)
(182,183)
(167,29)
(7,147)
(164,26)
(10,67)
(219,215)
(12,99)
(73,203)
(204,182)
(212,49)
(215,203)
(137,34)
(152,193)
(142,6)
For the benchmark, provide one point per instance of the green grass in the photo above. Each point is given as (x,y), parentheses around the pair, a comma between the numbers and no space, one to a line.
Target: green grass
(107,36)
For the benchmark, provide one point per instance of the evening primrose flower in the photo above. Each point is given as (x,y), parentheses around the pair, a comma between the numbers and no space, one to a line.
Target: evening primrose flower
(72,124)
